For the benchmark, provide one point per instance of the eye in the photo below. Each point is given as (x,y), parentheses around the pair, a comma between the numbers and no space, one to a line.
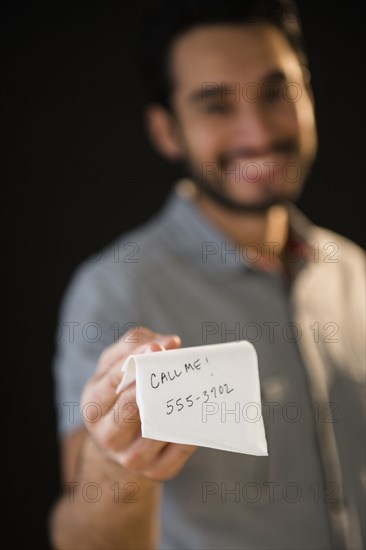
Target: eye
(272,93)
(218,108)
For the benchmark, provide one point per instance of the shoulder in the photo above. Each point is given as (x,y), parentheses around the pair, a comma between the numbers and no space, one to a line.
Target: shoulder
(115,272)
(328,247)
(334,248)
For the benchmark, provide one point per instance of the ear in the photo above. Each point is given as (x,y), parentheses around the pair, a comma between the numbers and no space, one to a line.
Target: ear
(162,131)
(307,81)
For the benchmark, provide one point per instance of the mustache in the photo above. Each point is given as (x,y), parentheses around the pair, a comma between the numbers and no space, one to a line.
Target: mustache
(284,146)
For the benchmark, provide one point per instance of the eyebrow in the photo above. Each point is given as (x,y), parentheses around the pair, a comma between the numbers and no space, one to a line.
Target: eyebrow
(215,89)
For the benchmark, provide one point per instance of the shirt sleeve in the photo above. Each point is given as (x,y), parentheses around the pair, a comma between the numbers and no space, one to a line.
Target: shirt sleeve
(95,311)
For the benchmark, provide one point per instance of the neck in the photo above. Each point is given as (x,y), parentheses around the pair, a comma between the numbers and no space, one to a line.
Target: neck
(248,229)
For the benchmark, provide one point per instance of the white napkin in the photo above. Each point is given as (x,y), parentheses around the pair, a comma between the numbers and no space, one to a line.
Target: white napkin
(205,395)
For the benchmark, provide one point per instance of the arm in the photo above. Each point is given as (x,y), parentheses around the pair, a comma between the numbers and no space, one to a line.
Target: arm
(111,521)
(111,452)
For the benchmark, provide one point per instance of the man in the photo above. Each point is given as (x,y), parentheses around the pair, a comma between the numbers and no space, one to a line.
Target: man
(228,258)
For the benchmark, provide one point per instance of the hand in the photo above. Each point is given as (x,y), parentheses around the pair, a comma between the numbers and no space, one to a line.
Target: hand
(117,427)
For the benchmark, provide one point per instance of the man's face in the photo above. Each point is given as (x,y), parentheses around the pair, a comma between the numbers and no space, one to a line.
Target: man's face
(244,117)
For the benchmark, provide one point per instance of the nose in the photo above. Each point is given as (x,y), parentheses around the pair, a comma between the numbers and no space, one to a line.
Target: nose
(252,128)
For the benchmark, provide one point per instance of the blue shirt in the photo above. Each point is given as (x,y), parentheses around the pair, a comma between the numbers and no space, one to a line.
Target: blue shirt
(179,274)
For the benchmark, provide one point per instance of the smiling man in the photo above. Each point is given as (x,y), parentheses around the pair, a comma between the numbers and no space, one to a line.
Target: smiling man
(229,257)
(245,117)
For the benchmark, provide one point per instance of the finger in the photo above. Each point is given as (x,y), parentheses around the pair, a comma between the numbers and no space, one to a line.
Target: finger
(131,339)
(121,349)
(121,425)
(119,421)
(141,454)
(170,461)
(101,388)
(170,341)
(121,410)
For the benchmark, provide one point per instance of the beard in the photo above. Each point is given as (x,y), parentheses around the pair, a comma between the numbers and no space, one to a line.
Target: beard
(214,188)
(218,195)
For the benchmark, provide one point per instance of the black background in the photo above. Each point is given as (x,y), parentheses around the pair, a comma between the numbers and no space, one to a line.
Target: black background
(77,171)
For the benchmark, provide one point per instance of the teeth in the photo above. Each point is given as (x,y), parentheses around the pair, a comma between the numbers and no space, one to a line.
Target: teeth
(258,160)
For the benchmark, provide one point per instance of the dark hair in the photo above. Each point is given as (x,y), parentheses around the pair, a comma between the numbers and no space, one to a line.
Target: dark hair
(167,19)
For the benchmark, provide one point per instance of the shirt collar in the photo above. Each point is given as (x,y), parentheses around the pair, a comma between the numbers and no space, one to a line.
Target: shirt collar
(204,243)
